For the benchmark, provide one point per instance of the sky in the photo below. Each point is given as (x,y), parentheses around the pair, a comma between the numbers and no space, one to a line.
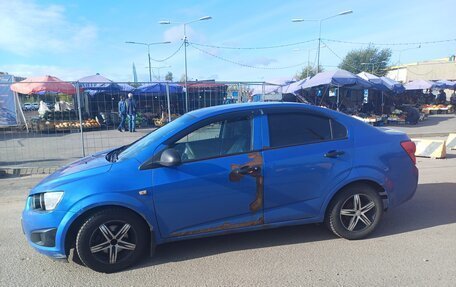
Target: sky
(74,39)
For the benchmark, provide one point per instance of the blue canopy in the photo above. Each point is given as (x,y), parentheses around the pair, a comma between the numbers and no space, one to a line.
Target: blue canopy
(337,78)
(292,88)
(98,84)
(158,88)
(419,85)
(125,87)
(392,85)
(445,84)
(377,82)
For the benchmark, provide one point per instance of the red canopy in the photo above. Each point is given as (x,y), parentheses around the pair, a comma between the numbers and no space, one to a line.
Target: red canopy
(43,84)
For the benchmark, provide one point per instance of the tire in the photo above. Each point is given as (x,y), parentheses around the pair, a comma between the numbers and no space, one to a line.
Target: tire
(355,212)
(112,240)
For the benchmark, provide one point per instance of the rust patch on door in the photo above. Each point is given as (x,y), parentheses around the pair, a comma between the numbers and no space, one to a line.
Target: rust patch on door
(251,168)
(224,226)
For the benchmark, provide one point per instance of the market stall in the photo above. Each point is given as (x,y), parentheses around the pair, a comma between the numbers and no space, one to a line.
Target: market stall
(156,101)
(60,115)
(437,109)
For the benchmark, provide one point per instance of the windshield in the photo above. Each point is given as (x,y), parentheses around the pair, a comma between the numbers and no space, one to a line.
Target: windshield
(157,135)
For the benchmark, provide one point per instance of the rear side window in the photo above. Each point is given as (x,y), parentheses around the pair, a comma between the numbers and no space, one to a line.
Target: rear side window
(338,130)
(300,128)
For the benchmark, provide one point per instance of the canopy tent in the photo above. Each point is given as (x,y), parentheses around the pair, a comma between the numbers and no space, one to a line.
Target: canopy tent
(392,85)
(125,87)
(98,84)
(382,84)
(443,84)
(419,85)
(376,82)
(294,87)
(265,89)
(337,78)
(158,88)
(34,85)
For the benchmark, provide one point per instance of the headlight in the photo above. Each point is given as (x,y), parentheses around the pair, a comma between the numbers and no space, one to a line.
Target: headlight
(46,201)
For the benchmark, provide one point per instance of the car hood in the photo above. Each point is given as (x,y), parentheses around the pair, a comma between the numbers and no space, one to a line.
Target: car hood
(86,167)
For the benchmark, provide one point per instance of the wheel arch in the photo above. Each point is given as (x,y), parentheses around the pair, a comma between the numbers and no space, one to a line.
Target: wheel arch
(70,235)
(362,181)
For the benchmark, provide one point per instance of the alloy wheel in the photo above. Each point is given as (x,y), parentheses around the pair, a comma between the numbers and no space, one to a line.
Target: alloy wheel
(113,242)
(358,212)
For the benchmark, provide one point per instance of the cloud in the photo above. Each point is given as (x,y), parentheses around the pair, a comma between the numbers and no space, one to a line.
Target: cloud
(29,28)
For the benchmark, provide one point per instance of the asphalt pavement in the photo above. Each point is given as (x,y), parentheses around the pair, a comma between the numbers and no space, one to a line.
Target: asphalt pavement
(415,245)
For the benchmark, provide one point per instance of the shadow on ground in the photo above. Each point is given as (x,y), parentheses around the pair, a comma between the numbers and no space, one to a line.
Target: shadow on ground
(430,121)
(433,205)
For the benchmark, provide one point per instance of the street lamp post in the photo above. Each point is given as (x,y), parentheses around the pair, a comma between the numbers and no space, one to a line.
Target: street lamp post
(148,52)
(319,31)
(185,49)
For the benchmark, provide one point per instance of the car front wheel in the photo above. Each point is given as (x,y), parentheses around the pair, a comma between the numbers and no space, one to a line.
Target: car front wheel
(355,212)
(111,240)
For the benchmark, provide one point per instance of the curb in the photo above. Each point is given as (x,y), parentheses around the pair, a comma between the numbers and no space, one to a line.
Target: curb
(430,135)
(23,171)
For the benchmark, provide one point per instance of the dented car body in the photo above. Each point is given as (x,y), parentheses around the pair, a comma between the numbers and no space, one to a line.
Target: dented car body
(230,168)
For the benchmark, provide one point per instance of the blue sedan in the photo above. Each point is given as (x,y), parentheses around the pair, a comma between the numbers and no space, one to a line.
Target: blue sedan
(218,170)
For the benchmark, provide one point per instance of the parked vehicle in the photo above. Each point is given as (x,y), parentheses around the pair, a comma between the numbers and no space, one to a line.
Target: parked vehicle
(26,107)
(35,106)
(224,169)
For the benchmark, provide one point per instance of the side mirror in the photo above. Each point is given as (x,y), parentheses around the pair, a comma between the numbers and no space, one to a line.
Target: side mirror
(170,157)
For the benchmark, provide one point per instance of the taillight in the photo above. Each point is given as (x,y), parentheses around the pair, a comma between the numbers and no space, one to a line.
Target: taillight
(410,149)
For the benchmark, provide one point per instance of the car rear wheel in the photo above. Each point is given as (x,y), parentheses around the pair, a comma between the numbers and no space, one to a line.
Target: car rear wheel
(111,240)
(355,212)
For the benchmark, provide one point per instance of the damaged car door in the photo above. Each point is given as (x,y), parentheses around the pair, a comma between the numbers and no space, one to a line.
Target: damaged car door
(217,185)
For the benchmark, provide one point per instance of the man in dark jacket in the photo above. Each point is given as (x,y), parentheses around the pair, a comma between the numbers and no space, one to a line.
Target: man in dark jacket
(131,112)
(122,106)
(413,115)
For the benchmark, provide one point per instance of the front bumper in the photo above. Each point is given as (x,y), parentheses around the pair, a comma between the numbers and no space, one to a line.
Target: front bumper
(45,231)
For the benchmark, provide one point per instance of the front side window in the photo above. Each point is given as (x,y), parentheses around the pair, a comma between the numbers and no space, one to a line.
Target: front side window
(216,139)
(300,128)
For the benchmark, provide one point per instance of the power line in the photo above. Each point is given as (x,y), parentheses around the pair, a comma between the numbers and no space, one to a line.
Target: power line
(245,65)
(392,44)
(253,48)
(172,55)
(340,58)
(329,40)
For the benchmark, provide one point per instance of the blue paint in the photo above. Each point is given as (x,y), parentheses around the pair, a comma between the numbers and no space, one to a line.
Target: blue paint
(199,198)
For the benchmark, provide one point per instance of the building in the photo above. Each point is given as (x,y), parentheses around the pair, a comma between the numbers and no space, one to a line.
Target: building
(439,69)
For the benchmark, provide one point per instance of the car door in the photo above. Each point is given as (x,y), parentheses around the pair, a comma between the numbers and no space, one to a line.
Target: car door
(308,154)
(219,184)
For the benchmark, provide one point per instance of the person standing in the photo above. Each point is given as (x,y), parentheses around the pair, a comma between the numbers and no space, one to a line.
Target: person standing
(122,106)
(441,97)
(131,112)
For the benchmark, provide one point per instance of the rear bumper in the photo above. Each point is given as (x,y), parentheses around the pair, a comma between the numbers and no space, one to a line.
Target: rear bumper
(404,188)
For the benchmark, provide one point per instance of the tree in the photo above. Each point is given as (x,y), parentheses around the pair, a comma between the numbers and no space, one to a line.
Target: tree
(169,77)
(370,59)
(308,71)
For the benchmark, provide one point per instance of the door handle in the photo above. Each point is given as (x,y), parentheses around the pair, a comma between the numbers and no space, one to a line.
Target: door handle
(247,169)
(334,153)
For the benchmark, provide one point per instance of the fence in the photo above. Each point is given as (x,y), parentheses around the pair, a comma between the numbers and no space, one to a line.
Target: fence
(54,128)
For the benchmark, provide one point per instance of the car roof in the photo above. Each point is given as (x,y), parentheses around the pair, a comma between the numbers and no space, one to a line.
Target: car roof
(221,109)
